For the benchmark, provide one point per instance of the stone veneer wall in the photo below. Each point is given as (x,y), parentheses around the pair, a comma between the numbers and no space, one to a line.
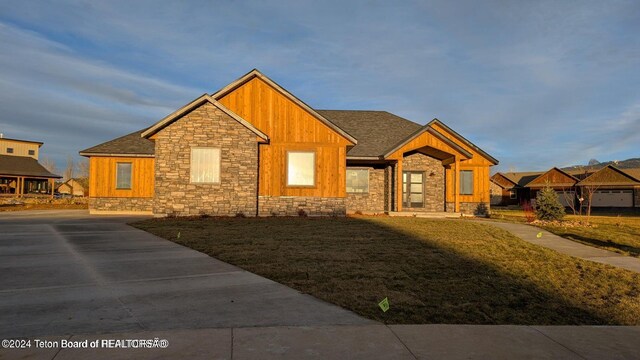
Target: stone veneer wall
(637,194)
(293,205)
(374,200)
(206,126)
(433,186)
(469,208)
(120,204)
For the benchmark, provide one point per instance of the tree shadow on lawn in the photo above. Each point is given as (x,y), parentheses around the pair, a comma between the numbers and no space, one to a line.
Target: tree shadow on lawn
(631,250)
(432,271)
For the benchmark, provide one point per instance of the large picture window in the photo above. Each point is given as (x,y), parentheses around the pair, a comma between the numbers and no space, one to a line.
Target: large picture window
(205,165)
(301,168)
(466,182)
(358,181)
(123,175)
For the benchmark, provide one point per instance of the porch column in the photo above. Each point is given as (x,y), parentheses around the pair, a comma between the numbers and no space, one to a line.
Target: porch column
(19,182)
(51,186)
(456,188)
(399,185)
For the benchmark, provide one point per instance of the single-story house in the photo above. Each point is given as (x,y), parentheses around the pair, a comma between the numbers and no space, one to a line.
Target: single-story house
(76,186)
(20,172)
(611,187)
(253,148)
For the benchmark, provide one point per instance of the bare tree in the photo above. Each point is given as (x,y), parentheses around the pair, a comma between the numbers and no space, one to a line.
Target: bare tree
(48,164)
(589,191)
(69,171)
(570,199)
(82,168)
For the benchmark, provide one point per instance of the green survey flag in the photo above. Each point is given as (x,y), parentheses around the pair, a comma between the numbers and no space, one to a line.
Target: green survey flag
(384,304)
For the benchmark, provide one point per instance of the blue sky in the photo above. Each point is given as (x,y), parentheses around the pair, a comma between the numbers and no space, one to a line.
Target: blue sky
(536,84)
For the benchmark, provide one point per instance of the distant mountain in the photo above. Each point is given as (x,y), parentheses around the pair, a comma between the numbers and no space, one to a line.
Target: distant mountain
(594,165)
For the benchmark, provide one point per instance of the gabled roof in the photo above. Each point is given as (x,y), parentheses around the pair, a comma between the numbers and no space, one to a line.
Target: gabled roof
(376,131)
(543,179)
(194,104)
(256,73)
(635,173)
(129,145)
(464,140)
(23,166)
(609,176)
(521,178)
(380,133)
(496,180)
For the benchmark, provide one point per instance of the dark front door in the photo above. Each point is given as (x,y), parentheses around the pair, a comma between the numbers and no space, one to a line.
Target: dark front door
(413,189)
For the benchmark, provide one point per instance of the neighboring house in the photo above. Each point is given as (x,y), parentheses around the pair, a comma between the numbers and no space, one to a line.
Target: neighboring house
(611,187)
(77,186)
(20,172)
(253,148)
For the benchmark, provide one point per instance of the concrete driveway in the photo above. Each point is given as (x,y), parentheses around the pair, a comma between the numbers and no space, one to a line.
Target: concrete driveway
(67,272)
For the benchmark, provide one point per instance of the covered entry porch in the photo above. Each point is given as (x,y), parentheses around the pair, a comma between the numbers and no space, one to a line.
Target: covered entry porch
(24,185)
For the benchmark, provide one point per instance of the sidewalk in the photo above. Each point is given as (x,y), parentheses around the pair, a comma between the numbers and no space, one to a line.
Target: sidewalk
(529,233)
(367,342)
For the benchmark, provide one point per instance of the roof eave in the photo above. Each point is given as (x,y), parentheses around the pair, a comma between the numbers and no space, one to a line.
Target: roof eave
(90,154)
(463,139)
(427,128)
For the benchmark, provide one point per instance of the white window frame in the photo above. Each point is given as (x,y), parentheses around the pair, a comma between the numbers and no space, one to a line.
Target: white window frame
(513,194)
(191,174)
(347,180)
(315,172)
(118,187)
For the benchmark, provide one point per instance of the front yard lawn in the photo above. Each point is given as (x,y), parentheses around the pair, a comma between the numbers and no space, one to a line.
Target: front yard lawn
(615,233)
(432,271)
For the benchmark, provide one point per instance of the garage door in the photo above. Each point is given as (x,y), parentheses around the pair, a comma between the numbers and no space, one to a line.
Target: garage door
(613,198)
(566,197)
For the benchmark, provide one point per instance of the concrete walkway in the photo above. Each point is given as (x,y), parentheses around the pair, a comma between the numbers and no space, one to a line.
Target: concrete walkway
(529,233)
(362,342)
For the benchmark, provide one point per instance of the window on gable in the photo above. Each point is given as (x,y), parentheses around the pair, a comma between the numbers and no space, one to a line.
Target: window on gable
(9,150)
(123,175)
(32,152)
(466,182)
(357,181)
(301,168)
(205,165)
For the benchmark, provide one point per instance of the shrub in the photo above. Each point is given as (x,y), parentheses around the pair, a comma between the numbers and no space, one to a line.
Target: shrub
(302,213)
(481,210)
(529,211)
(548,205)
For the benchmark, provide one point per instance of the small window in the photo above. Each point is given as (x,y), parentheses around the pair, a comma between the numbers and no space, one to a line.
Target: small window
(32,152)
(205,165)
(358,181)
(466,182)
(123,175)
(301,168)
(9,150)
(513,194)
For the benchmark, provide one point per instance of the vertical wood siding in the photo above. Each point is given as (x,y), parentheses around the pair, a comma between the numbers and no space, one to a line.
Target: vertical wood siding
(102,177)
(289,128)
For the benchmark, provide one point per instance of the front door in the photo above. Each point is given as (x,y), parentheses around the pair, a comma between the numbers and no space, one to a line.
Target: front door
(412,189)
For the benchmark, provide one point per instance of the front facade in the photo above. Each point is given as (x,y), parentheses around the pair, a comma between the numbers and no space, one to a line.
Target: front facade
(608,187)
(254,149)
(20,172)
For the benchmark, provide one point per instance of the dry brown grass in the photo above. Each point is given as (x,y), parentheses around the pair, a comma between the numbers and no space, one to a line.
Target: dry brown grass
(619,233)
(432,271)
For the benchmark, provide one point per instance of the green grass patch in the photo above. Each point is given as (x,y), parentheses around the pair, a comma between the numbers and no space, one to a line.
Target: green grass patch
(432,271)
(619,233)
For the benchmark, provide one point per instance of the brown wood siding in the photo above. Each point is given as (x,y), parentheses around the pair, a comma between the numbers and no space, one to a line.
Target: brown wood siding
(103,177)
(289,128)
(554,177)
(481,183)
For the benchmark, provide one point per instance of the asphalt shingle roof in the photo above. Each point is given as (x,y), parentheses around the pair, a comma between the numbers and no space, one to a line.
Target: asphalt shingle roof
(132,143)
(376,131)
(23,166)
